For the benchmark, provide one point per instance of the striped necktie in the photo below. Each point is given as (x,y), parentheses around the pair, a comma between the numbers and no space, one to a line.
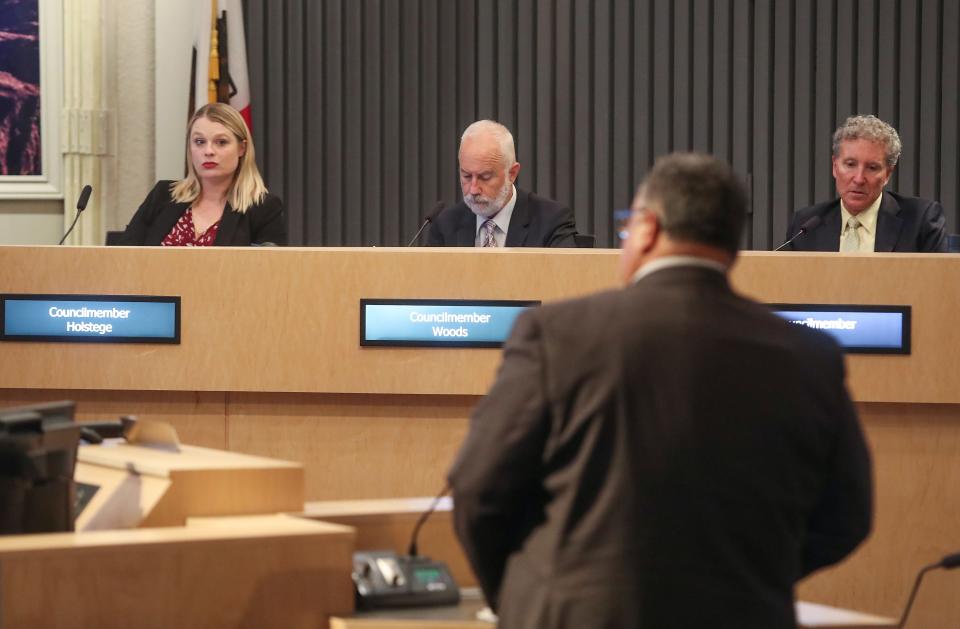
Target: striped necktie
(487,231)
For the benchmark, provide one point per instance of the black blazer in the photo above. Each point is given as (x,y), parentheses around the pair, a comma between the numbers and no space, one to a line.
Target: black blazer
(904,224)
(158,213)
(535,222)
(666,455)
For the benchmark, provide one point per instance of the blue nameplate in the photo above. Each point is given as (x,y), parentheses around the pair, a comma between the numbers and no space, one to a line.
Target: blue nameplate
(858,329)
(438,322)
(90,318)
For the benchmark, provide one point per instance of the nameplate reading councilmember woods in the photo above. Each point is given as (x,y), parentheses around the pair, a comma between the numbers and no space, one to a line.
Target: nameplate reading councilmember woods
(438,323)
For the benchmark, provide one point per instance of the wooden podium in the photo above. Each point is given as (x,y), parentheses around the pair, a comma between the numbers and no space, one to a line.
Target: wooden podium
(175,485)
(194,561)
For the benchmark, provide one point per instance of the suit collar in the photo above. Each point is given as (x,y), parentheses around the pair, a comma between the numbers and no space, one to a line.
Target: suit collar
(889,224)
(466,234)
(520,221)
(685,274)
(829,234)
(228,226)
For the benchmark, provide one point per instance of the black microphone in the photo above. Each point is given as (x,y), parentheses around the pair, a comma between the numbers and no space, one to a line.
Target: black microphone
(412,549)
(81,206)
(947,563)
(812,223)
(429,219)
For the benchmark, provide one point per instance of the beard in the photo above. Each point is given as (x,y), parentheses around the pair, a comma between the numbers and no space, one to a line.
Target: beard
(488,206)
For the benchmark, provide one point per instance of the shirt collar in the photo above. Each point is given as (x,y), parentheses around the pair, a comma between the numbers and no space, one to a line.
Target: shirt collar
(501,218)
(668,262)
(867,218)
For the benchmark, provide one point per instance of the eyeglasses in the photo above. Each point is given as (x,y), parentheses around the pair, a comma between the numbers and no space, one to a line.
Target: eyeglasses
(621,222)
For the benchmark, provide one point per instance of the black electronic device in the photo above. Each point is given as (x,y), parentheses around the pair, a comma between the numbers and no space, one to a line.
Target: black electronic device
(38,454)
(385,579)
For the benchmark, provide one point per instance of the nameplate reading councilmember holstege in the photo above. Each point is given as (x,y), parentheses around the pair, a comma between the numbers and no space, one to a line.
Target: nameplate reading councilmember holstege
(90,318)
(438,322)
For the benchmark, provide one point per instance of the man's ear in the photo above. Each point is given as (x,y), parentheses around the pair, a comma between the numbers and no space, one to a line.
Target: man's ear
(513,171)
(649,230)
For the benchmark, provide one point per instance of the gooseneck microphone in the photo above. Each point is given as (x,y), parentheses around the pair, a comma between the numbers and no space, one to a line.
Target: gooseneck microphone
(947,563)
(811,224)
(81,206)
(412,549)
(429,219)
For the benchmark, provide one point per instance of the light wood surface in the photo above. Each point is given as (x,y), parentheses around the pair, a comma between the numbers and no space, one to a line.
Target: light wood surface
(274,572)
(290,320)
(203,481)
(272,367)
(916,460)
(464,616)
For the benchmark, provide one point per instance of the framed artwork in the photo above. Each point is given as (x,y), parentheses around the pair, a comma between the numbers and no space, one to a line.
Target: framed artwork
(31,79)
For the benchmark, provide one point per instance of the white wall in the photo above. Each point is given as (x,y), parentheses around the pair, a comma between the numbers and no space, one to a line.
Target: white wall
(173,41)
(135,69)
(30,222)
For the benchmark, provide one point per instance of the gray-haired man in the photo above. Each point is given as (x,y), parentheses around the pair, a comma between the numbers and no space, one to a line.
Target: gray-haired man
(865,218)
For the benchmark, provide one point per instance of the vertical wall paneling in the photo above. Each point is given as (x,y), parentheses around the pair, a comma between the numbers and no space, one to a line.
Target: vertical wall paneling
(294,143)
(584,85)
(825,90)
(908,93)
(525,129)
(369,177)
(546,79)
(306,226)
(358,105)
(888,59)
(701,122)
(622,60)
(389,207)
(784,100)
(763,74)
(331,205)
(803,119)
(950,125)
(866,78)
(563,105)
(601,202)
(928,135)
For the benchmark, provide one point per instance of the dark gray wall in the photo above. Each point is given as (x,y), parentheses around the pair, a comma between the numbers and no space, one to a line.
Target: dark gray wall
(358,104)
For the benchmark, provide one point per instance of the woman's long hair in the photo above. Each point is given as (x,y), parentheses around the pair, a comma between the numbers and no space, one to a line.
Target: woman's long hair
(247,187)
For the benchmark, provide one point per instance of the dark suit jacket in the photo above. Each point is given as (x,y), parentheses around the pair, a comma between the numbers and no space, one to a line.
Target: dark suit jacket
(666,455)
(536,222)
(904,224)
(158,213)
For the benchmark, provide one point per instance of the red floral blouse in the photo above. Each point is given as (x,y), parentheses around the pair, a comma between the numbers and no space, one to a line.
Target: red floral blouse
(183,233)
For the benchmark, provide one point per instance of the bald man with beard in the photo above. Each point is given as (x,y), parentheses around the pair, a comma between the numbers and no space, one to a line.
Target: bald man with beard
(494,212)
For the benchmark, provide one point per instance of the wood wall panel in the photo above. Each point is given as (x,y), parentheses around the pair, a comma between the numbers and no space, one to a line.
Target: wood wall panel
(358,446)
(290,321)
(916,472)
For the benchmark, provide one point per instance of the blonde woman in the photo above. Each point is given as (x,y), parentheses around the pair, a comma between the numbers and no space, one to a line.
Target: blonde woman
(221,202)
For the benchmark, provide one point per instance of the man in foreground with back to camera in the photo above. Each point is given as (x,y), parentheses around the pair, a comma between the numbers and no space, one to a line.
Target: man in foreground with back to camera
(865,218)
(666,455)
(494,213)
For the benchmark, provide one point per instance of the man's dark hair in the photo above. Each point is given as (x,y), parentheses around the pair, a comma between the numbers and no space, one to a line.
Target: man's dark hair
(700,199)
